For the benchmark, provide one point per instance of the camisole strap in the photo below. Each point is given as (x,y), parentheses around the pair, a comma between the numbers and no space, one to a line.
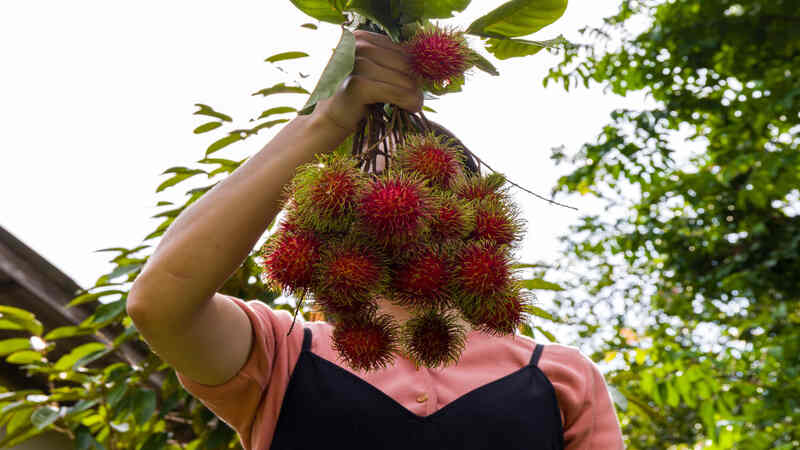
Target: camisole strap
(306,339)
(537,352)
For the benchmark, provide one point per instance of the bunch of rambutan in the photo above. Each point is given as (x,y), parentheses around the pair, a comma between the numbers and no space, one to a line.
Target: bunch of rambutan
(425,233)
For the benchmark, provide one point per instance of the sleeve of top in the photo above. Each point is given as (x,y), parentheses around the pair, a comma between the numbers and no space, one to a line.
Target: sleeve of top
(589,419)
(237,401)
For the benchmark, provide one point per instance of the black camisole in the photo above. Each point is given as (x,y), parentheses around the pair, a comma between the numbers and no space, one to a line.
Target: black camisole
(328,407)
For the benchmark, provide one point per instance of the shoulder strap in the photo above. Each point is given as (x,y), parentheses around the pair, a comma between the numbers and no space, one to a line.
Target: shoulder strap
(306,339)
(537,352)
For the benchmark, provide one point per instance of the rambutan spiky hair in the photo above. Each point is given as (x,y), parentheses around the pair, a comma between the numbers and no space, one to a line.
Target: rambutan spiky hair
(433,339)
(366,341)
(421,279)
(439,56)
(435,157)
(395,208)
(488,187)
(289,256)
(501,314)
(483,270)
(497,221)
(324,194)
(351,269)
(452,217)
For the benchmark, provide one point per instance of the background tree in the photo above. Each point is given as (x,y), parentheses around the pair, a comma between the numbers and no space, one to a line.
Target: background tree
(688,283)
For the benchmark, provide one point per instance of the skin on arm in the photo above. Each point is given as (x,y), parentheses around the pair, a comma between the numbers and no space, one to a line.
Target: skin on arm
(173,302)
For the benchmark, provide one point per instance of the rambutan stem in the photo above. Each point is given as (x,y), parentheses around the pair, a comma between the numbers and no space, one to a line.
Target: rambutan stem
(520,187)
(299,305)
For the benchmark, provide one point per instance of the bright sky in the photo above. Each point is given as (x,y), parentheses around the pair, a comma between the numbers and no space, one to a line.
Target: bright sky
(97,101)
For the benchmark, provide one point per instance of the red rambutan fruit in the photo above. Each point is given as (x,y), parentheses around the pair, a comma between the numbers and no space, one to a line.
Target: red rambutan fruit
(452,218)
(324,194)
(422,280)
(498,222)
(351,270)
(289,257)
(483,270)
(439,55)
(433,339)
(488,187)
(499,315)
(395,208)
(434,157)
(366,341)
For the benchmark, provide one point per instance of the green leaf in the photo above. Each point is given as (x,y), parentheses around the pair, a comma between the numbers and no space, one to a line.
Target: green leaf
(206,110)
(90,357)
(115,393)
(380,12)
(144,404)
(539,312)
(321,10)
(124,269)
(510,48)
(429,109)
(179,177)
(310,26)
(24,357)
(281,88)
(538,283)
(66,361)
(518,18)
(338,68)
(406,11)
(156,441)
(483,63)
(222,143)
(207,127)
(276,110)
(285,55)
(547,334)
(106,312)
(12,318)
(86,298)
(12,345)
(44,416)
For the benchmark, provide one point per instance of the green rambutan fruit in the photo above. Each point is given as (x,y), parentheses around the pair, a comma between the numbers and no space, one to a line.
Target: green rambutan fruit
(324,194)
(395,208)
(439,56)
(483,270)
(351,270)
(486,187)
(366,341)
(422,279)
(452,218)
(498,222)
(289,256)
(434,157)
(433,339)
(501,314)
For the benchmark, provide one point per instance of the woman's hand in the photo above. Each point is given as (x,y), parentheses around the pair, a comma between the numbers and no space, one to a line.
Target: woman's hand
(381,74)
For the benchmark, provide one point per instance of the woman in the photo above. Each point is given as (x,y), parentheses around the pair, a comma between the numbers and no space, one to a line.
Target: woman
(290,391)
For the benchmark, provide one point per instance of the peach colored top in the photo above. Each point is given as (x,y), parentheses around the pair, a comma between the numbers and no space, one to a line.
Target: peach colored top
(250,401)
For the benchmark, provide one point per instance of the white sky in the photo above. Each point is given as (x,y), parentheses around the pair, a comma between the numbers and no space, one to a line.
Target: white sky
(97,100)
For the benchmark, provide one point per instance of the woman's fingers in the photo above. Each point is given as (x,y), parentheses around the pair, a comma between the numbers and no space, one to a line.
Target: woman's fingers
(370,91)
(365,66)
(382,72)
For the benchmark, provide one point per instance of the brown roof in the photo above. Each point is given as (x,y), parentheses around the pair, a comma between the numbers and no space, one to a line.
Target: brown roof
(30,282)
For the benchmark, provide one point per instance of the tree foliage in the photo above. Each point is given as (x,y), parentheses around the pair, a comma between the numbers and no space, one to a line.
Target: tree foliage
(691,275)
